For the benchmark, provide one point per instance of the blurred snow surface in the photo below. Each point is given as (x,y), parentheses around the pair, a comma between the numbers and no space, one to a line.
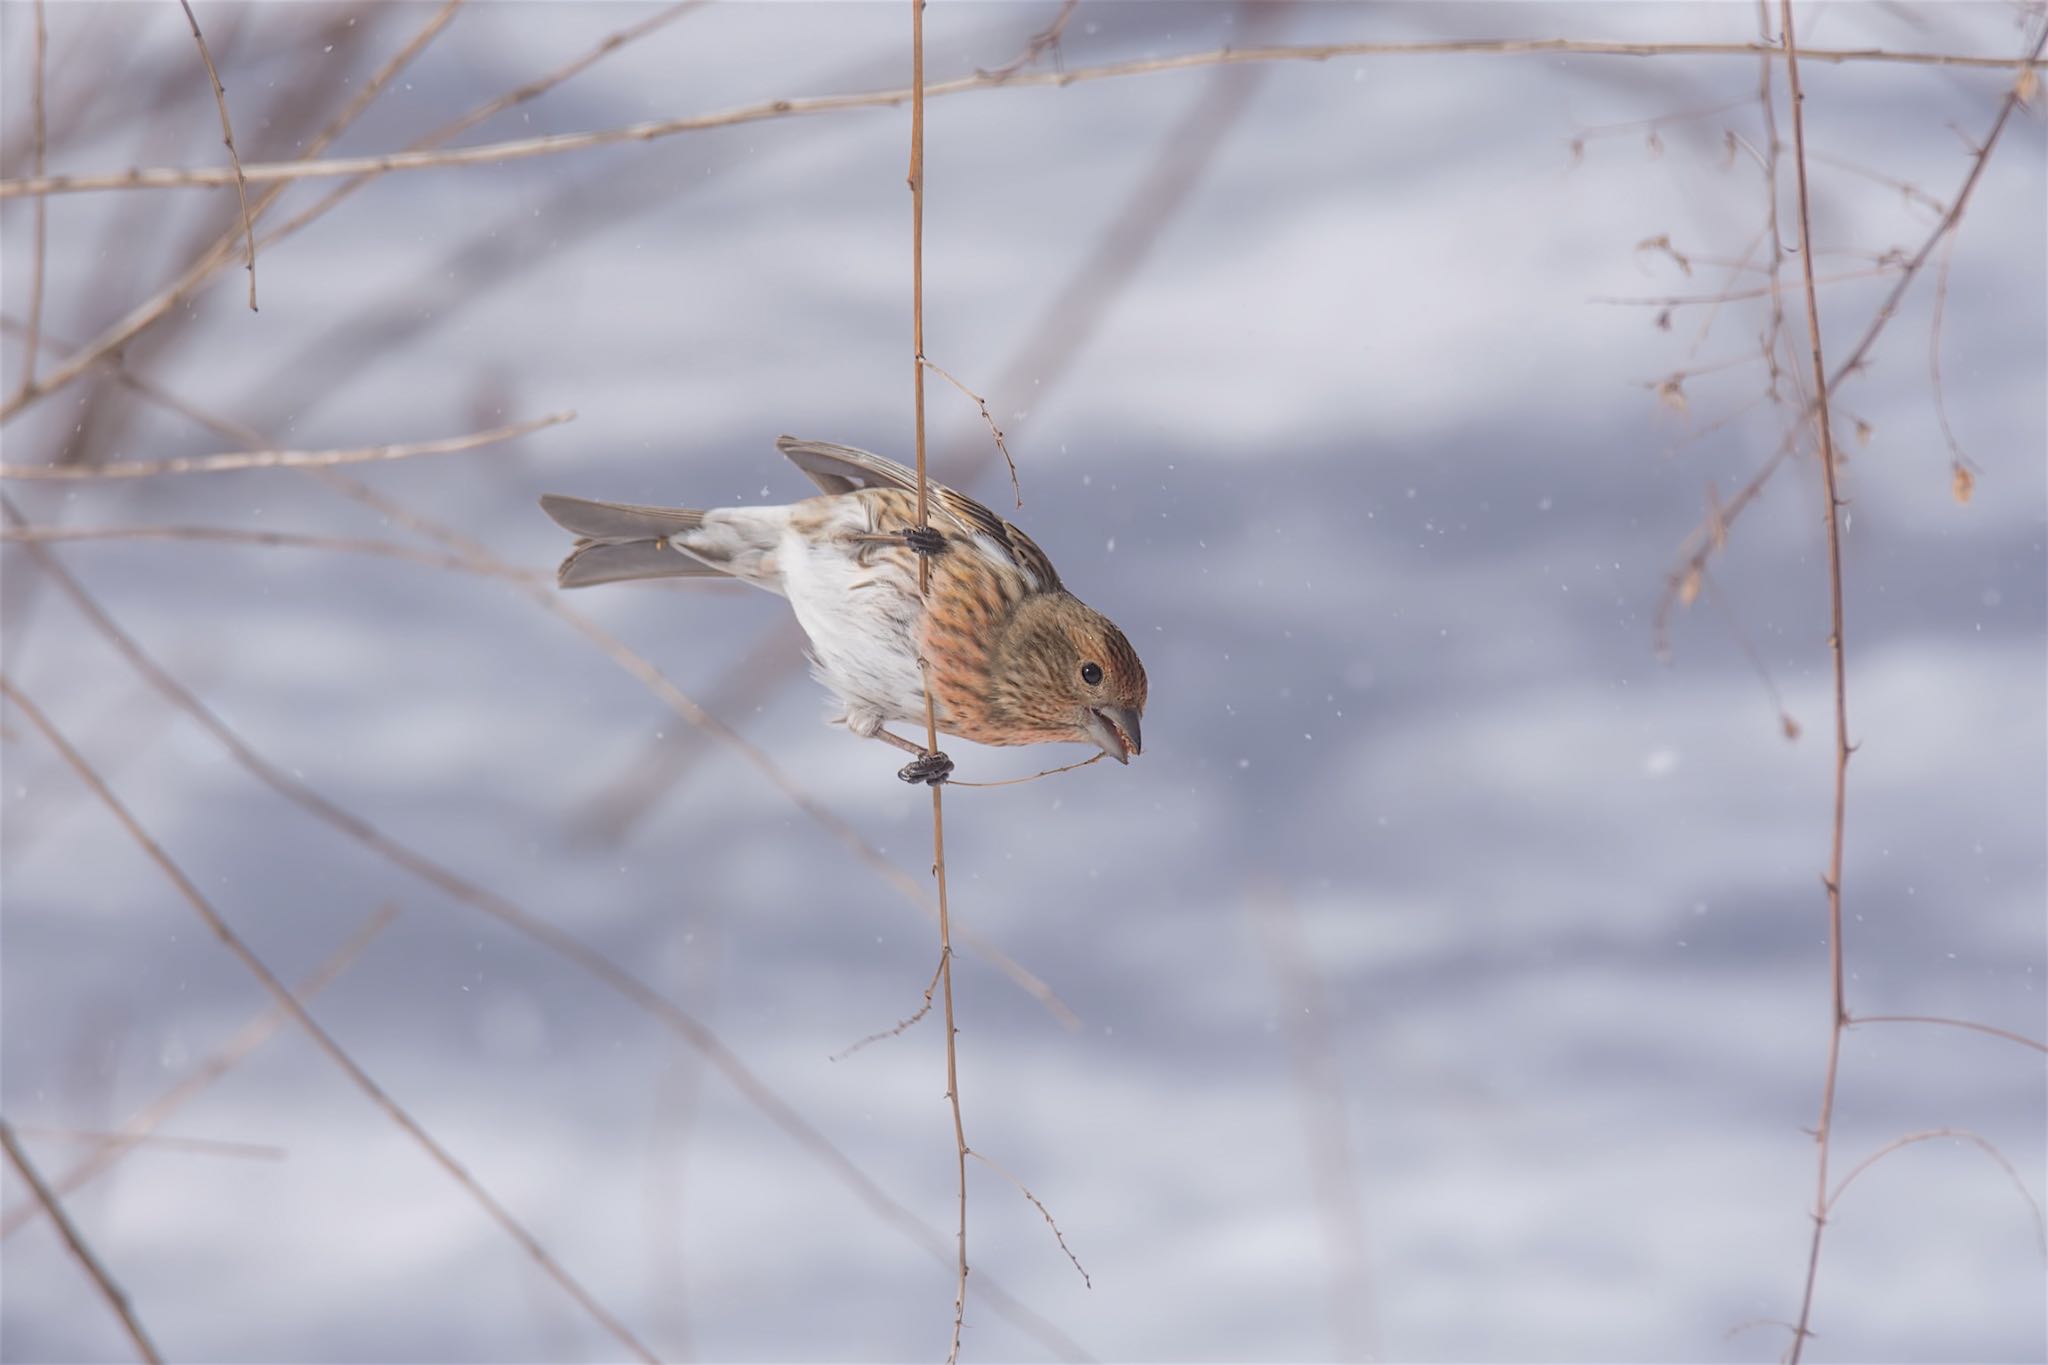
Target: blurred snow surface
(1377,488)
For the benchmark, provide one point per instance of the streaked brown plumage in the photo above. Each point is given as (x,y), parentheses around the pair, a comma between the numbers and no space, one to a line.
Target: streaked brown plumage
(1015,658)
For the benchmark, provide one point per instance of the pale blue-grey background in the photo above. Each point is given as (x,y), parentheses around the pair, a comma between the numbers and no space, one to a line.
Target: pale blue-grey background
(1379,490)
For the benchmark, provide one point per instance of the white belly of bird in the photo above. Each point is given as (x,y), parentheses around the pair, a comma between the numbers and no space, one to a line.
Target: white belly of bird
(862,618)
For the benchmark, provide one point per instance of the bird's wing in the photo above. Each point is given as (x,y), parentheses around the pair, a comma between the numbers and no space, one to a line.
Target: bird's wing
(841,469)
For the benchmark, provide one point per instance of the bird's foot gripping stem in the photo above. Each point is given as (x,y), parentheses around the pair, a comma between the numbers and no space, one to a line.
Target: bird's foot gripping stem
(929,768)
(925,541)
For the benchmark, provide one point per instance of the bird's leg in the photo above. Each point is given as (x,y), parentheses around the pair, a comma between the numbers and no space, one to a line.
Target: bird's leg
(929,767)
(924,540)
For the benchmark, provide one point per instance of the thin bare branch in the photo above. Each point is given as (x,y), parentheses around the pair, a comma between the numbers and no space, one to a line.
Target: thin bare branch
(109,1291)
(1751,1324)
(171,177)
(252,1151)
(280,459)
(918,364)
(380,80)
(1909,192)
(1046,38)
(1043,1212)
(1762,291)
(245,1040)
(1786,724)
(1019,781)
(1838,1014)
(1628,126)
(1962,476)
(902,1025)
(1987,1029)
(234,535)
(40,113)
(323,1040)
(1976,1140)
(227,133)
(1016,489)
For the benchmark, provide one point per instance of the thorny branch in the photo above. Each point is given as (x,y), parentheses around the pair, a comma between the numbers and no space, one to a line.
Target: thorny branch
(1839,1005)
(1016,489)
(931,724)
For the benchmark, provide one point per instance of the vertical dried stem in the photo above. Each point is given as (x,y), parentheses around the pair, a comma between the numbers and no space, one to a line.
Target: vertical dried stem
(227,134)
(42,133)
(108,1289)
(1839,1009)
(931,724)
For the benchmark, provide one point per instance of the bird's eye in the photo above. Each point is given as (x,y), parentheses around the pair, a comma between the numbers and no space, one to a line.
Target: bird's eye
(1091,674)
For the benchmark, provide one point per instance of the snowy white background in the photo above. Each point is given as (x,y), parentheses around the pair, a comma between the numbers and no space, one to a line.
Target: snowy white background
(1374,485)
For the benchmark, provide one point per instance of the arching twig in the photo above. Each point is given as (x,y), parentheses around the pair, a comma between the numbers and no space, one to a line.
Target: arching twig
(227,133)
(1976,1140)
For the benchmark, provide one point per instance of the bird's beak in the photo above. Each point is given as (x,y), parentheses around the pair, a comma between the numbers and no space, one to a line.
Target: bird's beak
(1114,730)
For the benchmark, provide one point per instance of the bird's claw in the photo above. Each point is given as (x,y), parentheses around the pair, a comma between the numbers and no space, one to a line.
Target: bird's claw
(925,541)
(930,769)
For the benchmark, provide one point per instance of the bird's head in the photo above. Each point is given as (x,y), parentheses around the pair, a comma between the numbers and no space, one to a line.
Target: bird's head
(1062,669)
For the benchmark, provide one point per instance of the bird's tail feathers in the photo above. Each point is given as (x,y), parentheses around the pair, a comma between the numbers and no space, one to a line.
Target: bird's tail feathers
(622,541)
(602,561)
(618,521)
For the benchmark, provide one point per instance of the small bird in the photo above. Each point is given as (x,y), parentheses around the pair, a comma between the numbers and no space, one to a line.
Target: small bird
(1014,657)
